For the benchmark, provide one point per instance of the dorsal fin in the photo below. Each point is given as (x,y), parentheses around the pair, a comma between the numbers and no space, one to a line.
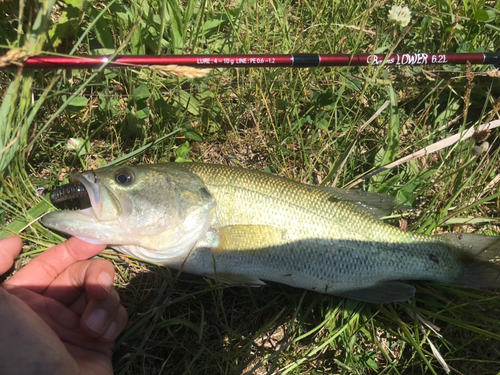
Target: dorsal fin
(378,205)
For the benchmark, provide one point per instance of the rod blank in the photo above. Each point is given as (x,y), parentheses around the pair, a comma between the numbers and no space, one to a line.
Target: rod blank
(256,61)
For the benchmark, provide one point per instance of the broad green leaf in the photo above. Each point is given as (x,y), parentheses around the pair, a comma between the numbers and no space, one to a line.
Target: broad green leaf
(75,3)
(59,30)
(77,104)
(481,15)
(211,26)
(323,99)
(182,160)
(189,102)
(143,113)
(137,45)
(135,124)
(426,22)
(141,93)
(182,152)
(322,124)
(24,219)
(281,104)
(102,51)
(123,12)
(192,134)
(103,33)
(78,101)
(187,17)
(177,26)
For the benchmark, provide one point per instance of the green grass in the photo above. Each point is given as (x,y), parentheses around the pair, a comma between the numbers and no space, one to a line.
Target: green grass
(302,124)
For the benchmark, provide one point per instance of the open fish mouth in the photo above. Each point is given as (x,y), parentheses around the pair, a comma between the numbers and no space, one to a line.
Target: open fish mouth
(90,197)
(72,196)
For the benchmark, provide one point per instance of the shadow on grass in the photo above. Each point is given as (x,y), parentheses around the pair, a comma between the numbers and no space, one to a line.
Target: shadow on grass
(193,326)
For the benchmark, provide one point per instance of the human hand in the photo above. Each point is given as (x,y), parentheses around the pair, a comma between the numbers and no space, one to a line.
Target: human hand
(59,314)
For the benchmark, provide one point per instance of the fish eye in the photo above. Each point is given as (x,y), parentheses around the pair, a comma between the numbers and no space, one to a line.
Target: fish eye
(124,177)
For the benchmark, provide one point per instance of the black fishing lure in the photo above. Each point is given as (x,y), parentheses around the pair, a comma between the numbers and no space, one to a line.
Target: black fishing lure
(70,196)
(68,192)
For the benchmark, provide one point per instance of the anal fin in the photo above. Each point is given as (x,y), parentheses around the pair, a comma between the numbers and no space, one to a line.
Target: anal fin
(384,292)
(235,279)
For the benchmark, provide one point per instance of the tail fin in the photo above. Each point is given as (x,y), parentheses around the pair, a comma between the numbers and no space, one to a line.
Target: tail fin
(478,252)
(480,275)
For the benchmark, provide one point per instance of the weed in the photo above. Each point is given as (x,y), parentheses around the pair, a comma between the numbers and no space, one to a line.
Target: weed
(322,126)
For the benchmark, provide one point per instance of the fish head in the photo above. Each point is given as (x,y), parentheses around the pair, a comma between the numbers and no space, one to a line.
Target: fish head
(156,212)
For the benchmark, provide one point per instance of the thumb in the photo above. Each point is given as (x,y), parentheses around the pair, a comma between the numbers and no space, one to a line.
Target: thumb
(10,247)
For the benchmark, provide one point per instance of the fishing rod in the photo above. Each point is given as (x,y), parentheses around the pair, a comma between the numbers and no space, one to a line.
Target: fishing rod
(298,60)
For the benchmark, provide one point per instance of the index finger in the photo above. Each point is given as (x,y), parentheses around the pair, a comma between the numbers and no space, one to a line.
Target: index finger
(39,273)
(9,250)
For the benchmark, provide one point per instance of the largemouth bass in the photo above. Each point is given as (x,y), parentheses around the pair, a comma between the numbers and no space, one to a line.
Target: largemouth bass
(243,226)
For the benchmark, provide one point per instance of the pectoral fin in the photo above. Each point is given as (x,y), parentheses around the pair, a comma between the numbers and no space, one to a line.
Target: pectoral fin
(389,291)
(247,237)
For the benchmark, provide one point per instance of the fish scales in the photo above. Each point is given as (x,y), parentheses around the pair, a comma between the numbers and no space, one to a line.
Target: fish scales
(329,241)
(257,198)
(243,226)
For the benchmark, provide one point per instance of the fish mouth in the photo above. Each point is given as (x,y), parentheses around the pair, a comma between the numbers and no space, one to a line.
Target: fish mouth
(91,209)
(72,196)
(89,196)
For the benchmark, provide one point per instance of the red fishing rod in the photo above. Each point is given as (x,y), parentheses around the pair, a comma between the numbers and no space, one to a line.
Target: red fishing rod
(255,61)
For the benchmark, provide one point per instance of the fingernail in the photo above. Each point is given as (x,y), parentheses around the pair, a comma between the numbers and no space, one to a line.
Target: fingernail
(105,280)
(110,333)
(96,319)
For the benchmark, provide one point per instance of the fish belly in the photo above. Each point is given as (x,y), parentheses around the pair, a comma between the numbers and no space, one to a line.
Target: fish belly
(331,267)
